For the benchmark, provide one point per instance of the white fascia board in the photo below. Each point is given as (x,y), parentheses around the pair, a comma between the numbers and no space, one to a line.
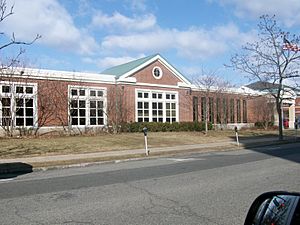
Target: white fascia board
(164,62)
(127,80)
(60,75)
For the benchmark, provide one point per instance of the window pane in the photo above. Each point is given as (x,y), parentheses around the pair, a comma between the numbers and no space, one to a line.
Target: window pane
(173,106)
(5,102)
(92,93)
(19,102)
(168,113)
(74,112)
(92,104)
(146,113)
(159,96)
(146,95)
(5,111)
(140,94)
(81,104)
(29,121)
(93,112)
(81,112)
(29,90)
(20,121)
(154,95)
(168,120)
(160,112)
(154,105)
(100,112)
(146,105)
(74,104)
(73,92)
(167,105)
(100,121)
(167,96)
(160,105)
(140,105)
(173,96)
(160,120)
(29,102)
(154,112)
(29,112)
(82,92)
(173,113)
(6,89)
(74,121)
(6,121)
(154,119)
(82,121)
(146,119)
(19,89)
(20,112)
(93,121)
(100,93)
(140,112)
(100,104)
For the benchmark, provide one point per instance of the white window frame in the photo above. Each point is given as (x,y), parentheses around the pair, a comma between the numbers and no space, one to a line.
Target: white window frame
(88,99)
(13,96)
(150,100)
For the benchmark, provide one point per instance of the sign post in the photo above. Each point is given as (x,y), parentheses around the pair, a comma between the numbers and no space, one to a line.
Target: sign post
(145,130)
(237,135)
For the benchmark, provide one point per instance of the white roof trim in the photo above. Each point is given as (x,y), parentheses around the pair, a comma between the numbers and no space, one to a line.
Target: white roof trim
(59,75)
(164,62)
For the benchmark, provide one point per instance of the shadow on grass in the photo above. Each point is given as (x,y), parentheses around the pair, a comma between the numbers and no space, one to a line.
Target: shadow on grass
(288,148)
(12,170)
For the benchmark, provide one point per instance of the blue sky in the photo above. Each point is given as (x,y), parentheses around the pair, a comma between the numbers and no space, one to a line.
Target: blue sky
(93,35)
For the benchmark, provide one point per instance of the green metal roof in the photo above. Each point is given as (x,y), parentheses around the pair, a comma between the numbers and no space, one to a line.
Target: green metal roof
(126,67)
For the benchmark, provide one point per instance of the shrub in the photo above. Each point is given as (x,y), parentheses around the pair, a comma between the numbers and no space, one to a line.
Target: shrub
(164,127)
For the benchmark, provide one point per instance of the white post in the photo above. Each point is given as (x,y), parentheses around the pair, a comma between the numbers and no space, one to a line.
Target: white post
(237,136)
(146,145)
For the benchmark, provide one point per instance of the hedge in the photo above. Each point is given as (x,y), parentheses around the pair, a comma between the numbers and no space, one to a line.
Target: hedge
(164,127)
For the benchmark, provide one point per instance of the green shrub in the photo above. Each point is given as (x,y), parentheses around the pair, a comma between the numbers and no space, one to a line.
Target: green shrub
(164,127)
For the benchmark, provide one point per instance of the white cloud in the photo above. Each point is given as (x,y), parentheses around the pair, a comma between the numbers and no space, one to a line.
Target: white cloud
(119,21)
(108,62)
(288,10)
(49,19)
(193,43)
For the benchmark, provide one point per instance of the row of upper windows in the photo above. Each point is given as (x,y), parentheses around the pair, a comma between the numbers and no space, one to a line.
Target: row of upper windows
(156,95)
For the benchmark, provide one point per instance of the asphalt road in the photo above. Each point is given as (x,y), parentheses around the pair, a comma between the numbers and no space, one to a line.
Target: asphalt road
(211,188)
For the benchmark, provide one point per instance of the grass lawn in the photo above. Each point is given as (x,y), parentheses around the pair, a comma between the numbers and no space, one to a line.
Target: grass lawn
(25,147)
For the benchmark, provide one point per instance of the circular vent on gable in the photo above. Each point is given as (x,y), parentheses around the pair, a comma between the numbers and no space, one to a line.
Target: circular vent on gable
(157,72)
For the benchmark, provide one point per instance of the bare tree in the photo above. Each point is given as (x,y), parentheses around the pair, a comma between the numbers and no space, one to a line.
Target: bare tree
(212,86)
(14,99)
(264,111)
(117,110)
(273,58)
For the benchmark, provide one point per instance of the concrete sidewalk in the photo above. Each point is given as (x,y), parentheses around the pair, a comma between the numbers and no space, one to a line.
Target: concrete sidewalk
(50,161)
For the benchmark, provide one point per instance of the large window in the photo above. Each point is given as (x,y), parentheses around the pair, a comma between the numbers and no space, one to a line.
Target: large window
(231,111)
(156,106)
(203,108)
(87,106)
(244,111)
(195,108)
(238,111)
(18,104)
(211,109)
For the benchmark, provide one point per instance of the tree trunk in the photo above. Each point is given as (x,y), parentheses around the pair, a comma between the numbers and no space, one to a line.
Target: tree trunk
(280,124)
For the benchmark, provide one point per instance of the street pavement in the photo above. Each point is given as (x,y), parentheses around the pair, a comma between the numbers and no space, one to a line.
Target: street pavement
(24,164)
(198,188)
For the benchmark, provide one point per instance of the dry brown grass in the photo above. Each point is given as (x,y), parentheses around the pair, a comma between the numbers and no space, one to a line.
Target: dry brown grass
(25,147)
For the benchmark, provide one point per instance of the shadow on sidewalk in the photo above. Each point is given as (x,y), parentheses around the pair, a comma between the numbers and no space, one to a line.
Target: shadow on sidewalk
(272,146)
(12,170)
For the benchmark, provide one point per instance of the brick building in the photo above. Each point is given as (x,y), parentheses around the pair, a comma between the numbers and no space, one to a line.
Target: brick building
(145,90)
